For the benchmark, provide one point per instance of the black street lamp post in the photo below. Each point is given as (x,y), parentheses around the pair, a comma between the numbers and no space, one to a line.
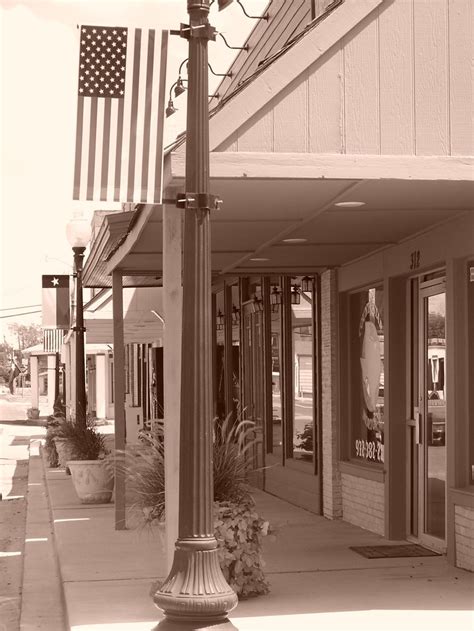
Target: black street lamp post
(78,233)
(195,590)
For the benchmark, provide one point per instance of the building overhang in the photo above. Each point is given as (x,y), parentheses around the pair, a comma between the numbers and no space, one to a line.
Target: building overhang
(271,197)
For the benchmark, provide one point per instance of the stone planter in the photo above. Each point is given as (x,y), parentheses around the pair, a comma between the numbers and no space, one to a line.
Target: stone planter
(64,452)
(32,414)
(93,481)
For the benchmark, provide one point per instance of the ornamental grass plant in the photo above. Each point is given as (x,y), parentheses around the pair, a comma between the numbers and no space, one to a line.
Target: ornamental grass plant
(239,529)
(84,441)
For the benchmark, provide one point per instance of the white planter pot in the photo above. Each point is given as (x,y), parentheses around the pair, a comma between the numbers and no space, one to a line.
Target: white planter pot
(93,481)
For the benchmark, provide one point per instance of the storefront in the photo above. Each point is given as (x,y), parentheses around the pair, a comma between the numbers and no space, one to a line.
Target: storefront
(267,371)
(406,393)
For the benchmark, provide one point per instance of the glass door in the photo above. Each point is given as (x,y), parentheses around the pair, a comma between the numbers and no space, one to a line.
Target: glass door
(253,378)
(431,415)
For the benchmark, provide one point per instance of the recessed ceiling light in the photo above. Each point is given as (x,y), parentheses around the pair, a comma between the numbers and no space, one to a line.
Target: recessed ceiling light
(259,258)
(349,204)
(295,240)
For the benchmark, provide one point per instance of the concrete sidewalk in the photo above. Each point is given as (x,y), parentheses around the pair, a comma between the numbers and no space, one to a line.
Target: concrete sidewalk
(317,582)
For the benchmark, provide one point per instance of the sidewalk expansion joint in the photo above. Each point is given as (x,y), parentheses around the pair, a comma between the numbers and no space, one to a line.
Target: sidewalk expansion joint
(110,580)
(340,569)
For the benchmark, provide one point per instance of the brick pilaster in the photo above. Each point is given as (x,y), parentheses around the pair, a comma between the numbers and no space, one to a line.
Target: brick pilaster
(332,494)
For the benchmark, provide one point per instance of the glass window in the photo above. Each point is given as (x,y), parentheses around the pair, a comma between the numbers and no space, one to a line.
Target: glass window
(235,319)
(275,332)
(301,298)
(220,356)
(367,375)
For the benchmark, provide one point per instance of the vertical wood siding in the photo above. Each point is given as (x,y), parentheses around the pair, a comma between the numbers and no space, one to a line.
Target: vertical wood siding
(461,88)
(401,82)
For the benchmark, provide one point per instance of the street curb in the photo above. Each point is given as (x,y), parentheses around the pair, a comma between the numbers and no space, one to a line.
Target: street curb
(43,601)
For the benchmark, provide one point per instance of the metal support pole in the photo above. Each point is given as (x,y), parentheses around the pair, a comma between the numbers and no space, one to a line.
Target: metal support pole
(81,413)
(196,590)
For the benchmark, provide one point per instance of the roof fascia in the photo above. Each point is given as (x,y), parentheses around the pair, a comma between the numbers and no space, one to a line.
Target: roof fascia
(130,240)
(302,166)
(96,250)
(100,300)
(103,239)
(246,103)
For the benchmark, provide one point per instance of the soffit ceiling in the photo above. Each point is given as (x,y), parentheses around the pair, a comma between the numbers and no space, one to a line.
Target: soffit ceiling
(256,215)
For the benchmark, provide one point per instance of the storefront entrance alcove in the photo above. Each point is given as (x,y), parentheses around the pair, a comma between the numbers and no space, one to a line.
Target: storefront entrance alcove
(266,349)
(427,435)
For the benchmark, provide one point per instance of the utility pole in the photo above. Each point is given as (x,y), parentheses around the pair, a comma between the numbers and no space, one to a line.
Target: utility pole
(196,590)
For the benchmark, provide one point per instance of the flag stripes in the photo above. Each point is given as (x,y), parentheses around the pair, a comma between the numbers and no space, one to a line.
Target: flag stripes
(119,136)
(53,340)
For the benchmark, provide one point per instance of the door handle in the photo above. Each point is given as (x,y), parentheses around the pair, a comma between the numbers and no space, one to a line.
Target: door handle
(416,423)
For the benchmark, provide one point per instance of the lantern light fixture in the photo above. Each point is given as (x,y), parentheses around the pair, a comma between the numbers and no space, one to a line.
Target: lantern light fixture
(220,320)
(295,294)
(307,284)
(235,315)
(257,303)
(275,299)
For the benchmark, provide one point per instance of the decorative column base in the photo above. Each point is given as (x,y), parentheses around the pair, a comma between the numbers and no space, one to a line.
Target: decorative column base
(196,589)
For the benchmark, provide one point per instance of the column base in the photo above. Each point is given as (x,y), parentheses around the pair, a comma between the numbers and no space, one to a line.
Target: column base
(196,590)
(170,625)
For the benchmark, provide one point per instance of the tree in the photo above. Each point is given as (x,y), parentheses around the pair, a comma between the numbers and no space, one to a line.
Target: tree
(26,334)
(6,354)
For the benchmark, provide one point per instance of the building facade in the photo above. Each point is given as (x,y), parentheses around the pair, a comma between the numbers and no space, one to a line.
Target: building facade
(342,259)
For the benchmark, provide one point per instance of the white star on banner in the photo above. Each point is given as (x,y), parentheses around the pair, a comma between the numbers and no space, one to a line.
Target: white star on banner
(55,281)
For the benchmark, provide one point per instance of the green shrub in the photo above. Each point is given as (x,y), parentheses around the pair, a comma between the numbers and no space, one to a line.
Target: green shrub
(239,531)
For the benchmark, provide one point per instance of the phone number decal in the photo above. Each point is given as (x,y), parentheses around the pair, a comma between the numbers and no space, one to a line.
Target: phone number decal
(369,450)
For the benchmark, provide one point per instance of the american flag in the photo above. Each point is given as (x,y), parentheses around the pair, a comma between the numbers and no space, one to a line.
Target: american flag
(120,113)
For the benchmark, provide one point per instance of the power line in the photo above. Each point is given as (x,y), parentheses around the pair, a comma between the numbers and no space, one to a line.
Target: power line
(17,315)
(15,308)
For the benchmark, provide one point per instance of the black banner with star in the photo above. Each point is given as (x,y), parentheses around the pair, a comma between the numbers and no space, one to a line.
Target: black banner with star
(56,310)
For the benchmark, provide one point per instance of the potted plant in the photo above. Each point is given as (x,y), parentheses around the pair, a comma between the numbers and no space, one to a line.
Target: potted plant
(92,475)
(56,448)
(32,414)
(238,527)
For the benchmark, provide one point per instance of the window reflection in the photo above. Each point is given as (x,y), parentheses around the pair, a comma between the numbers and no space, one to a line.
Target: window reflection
(220,356)
(235,318)
(275,318)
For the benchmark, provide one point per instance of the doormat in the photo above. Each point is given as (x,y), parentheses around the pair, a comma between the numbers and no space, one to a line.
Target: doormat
(393,552)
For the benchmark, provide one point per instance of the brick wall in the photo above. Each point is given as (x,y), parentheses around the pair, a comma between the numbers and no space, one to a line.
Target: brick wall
(332,500)
(363,503)
(464,537)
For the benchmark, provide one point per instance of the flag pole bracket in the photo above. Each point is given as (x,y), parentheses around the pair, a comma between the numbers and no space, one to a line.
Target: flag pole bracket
(201,31)
(198,201)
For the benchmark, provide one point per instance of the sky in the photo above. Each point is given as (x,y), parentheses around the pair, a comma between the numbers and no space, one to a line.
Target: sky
(38,87)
